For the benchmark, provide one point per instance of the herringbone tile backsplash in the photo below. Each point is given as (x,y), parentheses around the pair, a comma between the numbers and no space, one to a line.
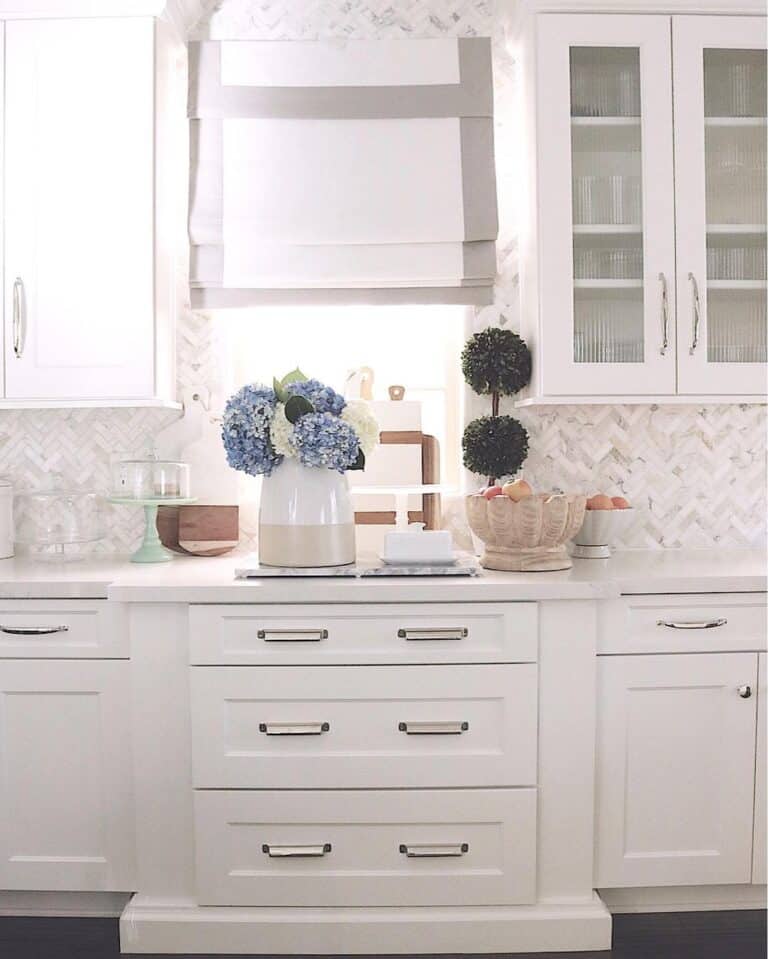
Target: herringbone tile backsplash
(698,475)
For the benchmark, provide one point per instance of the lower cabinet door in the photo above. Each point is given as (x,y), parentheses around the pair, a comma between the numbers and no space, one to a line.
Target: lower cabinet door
(759,872)
(675,769)
(360,848)
(65,776)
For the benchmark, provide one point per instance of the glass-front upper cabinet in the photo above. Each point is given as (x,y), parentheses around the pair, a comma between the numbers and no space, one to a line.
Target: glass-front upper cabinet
(720,82)
(607,283)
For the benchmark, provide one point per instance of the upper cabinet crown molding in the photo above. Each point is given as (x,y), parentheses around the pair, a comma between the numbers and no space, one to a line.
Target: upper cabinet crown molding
(183,14)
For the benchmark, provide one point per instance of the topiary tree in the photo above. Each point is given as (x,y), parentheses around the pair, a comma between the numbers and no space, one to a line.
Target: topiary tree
(495,362)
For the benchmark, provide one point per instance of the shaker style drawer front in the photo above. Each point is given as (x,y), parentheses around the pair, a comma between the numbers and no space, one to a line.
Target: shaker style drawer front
(395,633)
(390,848)
(366,727)
(716,622)
(62,629)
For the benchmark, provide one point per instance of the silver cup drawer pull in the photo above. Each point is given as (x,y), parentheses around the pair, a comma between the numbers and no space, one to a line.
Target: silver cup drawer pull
(460,632)
(697,624)
(292,635)
(296,852)
(294,729)
(434,850)
(33,630)
(433,729)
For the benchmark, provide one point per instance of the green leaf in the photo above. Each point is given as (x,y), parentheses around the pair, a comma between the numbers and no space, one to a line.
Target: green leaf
(295,376)
(279,391)
(296,407)
(359,463)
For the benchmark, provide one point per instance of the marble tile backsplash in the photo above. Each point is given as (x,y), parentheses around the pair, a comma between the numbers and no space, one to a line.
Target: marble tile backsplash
(696,474)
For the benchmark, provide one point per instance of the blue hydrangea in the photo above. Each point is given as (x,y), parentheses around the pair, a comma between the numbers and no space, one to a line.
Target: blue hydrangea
(322,397)
(322,439)
(245,430)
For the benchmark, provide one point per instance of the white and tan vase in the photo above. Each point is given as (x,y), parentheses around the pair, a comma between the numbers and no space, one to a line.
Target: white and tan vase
(306,517)
(528,536)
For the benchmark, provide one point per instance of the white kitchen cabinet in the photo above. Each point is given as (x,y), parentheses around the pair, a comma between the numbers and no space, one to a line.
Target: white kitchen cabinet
(759,872)
(65,776)
(720,148)
(93,122)
(643,268)
(675,769)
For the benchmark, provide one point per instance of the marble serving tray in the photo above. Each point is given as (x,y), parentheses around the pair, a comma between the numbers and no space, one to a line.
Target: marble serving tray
(464,566)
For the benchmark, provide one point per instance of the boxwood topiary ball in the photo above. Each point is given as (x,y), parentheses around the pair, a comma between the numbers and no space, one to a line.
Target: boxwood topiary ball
(495,446)
(496,361)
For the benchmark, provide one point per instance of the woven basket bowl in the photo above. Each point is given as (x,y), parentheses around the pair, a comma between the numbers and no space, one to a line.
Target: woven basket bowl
(528,536)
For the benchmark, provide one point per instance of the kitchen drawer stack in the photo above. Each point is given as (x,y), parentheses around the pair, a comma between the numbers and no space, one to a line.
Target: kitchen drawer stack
(365,755)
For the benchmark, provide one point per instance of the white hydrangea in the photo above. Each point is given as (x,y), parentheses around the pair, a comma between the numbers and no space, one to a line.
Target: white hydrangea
(280,433)
(363,422)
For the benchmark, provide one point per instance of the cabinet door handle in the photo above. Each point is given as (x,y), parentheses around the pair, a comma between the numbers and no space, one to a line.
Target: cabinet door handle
(292,635)
(434,850)
(696,313)
(433,729)
(664,315)
(19,318)
(744,691)
(296,852)
(33,630)
(460,632)
(702,624)
(294,729)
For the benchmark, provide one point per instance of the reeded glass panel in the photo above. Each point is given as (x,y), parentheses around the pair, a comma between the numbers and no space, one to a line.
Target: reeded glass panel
(736,185)
(607,205)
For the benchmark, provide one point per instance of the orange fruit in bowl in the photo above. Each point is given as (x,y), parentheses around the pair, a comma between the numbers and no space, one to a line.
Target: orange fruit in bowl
(620,503)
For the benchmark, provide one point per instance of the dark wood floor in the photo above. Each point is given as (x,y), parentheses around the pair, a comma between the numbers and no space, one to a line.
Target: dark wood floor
(688,935)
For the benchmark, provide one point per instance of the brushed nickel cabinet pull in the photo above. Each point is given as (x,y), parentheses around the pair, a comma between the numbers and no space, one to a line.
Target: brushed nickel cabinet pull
(294,729)
(33,630)
(460,632)
(696,313)
(434,850)
(700,624)
(664,315)
(296,852)
(19,318)
(434,728)
(292,635)
(744,691)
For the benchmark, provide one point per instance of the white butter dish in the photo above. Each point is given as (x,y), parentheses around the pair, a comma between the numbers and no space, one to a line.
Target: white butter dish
(417,545)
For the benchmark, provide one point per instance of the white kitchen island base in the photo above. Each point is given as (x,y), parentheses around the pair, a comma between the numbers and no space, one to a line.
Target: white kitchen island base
(556,927)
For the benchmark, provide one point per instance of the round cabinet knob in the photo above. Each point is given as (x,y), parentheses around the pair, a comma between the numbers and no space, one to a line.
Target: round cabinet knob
(745,691)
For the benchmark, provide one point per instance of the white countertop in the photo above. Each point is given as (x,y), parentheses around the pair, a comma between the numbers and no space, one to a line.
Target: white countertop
(211,580)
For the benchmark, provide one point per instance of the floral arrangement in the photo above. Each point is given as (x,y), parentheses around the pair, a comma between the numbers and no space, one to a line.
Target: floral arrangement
(296,417)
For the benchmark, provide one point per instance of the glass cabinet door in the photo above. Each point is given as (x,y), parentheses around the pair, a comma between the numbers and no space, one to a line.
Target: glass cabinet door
(607,243)
(720,154)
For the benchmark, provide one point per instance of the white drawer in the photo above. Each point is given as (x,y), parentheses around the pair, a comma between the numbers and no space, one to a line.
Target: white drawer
(408,633)
(62,629)
(393,848)
(710,622)
(363,726)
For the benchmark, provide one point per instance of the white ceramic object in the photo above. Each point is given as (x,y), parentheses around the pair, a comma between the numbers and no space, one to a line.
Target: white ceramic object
(306,517)
(598,531)
(417,545)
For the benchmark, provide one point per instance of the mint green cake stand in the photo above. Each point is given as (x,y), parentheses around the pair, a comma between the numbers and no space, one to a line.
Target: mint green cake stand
(151,550)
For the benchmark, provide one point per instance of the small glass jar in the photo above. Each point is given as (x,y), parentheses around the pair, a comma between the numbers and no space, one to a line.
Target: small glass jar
(150,479)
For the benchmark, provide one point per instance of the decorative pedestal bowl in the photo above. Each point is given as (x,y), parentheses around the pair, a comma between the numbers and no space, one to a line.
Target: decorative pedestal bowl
(528,536)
